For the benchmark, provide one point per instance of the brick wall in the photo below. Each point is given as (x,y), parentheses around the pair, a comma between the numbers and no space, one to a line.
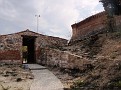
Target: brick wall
(91,24)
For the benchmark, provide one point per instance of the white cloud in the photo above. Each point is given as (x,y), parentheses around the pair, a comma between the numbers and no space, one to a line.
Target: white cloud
(56,19)
(7,10)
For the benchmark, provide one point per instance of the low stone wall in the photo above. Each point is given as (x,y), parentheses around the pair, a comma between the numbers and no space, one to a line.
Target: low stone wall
(64,59)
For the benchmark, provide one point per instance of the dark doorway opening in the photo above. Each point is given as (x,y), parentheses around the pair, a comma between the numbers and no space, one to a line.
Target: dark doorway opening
(29,49)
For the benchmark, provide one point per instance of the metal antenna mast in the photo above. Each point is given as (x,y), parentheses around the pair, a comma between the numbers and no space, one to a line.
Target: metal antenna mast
(37,21)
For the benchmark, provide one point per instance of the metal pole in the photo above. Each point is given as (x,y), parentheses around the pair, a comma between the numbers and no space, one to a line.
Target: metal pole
(37,21)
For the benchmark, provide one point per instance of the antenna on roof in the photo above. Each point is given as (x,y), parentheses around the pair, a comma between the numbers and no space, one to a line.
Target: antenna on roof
(37,21)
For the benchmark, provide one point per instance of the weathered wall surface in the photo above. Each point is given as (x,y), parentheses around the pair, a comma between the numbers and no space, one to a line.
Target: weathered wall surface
(63,59)
(11,45)
(90,25)
(47,41)
(10,48)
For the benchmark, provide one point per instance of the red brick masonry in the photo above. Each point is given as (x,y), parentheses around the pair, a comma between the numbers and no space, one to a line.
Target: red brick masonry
(91,24)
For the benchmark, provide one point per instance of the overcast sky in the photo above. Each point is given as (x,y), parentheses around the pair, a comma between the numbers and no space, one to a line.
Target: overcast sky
(56,16)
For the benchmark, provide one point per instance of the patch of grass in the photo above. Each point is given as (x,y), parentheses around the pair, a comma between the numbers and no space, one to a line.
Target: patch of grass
(115,35)
(77,85)
(115,83)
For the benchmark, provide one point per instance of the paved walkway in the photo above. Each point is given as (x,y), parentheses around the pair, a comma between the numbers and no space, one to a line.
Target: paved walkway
(44,79)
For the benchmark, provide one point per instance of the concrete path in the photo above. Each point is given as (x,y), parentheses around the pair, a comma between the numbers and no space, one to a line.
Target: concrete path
(44,79)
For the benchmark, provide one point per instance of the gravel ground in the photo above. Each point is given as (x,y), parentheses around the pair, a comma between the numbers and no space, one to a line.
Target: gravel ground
(15,77)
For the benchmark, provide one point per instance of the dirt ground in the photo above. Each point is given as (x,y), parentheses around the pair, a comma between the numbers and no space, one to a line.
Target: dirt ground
(15,77)
(65,76)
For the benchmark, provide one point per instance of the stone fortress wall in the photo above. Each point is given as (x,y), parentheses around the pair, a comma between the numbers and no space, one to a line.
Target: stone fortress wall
(92,24)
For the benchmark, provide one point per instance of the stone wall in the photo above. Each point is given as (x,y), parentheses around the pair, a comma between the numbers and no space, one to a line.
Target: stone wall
(64,59)
(10,48)
(11,45)
(92,24)
(47,41)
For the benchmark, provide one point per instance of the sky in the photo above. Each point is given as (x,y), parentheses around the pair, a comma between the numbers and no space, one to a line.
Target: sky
(56,16)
